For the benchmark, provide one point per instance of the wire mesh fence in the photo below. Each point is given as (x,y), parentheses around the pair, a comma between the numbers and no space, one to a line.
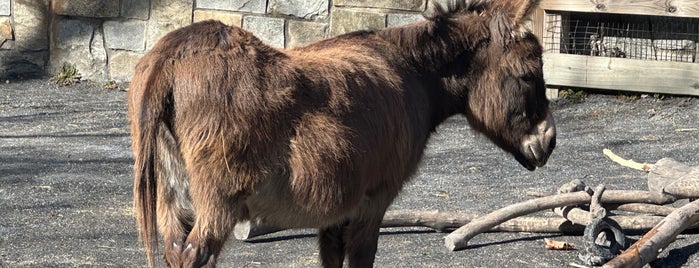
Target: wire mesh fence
(623,36)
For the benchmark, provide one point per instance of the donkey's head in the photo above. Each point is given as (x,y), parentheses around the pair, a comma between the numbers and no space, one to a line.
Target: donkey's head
(503,82)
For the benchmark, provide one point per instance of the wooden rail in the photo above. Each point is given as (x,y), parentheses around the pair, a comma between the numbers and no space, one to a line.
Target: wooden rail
(621,74)
(675,8)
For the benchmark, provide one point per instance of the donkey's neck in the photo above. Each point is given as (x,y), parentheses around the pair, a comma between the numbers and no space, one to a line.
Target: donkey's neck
(430,50)
(430,47)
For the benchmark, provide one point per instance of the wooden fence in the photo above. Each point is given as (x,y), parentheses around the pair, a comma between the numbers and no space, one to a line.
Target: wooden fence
(655,50)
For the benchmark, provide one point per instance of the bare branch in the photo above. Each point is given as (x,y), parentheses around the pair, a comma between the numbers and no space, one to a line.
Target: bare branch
(657,239)
(460,237)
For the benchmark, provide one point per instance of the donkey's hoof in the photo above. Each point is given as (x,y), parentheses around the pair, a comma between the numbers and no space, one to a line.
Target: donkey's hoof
(194,255)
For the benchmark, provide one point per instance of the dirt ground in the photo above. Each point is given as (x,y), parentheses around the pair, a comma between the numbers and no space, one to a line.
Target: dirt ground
(65,182)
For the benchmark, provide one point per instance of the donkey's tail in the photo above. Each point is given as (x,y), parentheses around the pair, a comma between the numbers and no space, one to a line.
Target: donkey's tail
(147,99)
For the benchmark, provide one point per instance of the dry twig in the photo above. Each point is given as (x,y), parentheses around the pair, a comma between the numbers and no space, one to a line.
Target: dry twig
(627,163)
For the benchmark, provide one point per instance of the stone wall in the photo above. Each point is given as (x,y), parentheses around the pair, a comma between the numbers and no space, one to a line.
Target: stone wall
(105,38)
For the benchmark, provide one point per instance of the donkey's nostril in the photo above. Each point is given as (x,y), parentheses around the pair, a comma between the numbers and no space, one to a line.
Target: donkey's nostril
(552,145)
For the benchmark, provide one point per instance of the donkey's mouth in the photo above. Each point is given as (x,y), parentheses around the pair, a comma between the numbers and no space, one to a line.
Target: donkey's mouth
(536,154)
(524,161)
(536,147)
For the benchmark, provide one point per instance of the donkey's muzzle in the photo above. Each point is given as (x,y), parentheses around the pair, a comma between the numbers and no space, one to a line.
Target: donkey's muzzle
(538,146)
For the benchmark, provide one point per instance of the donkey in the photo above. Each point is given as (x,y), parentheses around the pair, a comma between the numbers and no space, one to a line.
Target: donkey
(324,136)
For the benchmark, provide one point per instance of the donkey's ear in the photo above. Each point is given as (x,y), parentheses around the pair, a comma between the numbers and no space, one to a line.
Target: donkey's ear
(517,11)
(509,17)
(523,10)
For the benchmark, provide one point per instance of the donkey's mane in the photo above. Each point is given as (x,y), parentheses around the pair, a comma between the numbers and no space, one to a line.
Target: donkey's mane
(434,43)
(439,12)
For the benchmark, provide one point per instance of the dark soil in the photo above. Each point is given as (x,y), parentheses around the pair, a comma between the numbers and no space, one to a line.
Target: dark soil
(65,182)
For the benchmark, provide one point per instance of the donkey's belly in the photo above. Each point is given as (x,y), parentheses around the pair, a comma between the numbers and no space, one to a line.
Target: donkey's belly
(273,203)
(281,211)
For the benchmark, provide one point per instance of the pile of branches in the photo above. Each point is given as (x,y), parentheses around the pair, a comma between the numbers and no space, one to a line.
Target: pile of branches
(602,216)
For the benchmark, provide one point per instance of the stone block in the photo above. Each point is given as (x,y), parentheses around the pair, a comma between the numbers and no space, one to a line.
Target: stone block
(254,6)
(5,8)
(72,33)
(305,9)
(135,9)
(31,24)
(79,42)
(7,45)
(346,20)
(126,35)
(397,19)
(229,18)
(409,5)
(87,8)
(28,64)
(122,64)
(166,16)
(269,30)
(6,33)
(303,32)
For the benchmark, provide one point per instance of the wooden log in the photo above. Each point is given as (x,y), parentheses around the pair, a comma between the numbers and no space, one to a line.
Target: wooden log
(459,238)
(642,208)
(572,222)
(439,221)
(657,239)
(630,224)
(245,230)
(671,177)
(444,221)
(636,196)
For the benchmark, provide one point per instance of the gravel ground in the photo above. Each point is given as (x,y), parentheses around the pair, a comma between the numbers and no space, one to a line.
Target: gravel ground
(65,183)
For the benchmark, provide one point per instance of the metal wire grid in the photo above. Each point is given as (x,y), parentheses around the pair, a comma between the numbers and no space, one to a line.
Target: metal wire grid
(624,36)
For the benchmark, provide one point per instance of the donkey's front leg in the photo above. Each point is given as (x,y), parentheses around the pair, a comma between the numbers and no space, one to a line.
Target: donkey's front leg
(362,232)
(332,245)
(361,241)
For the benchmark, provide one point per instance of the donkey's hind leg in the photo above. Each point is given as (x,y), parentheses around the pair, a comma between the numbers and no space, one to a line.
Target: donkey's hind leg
(217,202)
(215,218)
(175,215)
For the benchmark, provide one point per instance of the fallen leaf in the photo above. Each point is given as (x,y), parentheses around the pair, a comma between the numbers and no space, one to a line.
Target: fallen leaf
(557,245)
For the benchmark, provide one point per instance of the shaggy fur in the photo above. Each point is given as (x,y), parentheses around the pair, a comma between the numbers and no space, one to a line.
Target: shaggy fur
(226,128)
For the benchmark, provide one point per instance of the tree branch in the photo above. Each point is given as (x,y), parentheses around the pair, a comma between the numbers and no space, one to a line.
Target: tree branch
(657,239)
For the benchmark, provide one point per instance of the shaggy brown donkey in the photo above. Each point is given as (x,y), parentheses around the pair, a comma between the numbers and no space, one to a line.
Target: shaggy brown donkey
(226,128)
